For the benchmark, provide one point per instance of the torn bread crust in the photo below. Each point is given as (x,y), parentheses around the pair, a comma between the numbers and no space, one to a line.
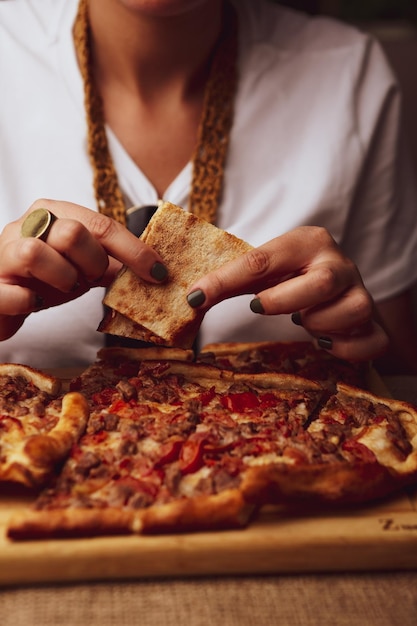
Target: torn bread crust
(159,313)
(30,459)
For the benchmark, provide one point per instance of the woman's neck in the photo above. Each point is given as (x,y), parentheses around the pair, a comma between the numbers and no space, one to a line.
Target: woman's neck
(147,54)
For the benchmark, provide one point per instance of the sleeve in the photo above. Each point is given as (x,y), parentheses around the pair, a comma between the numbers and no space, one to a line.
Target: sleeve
(381,232)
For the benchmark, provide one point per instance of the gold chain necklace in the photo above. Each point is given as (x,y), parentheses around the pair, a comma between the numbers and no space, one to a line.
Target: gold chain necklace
(213,133)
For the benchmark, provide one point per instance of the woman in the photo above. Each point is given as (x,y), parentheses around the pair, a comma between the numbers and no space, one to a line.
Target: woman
(309,142)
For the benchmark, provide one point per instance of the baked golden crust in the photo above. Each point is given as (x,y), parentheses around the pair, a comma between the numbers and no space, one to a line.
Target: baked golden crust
(45,450)
(215,512)
(43,381)
(35,457)
(148,353)
(37,426)
(315,485)
(159,313)
(237,347)
(70,522)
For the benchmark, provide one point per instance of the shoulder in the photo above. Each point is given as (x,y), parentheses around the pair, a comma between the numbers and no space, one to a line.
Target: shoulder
(283,48)
(282,35)
(263,21)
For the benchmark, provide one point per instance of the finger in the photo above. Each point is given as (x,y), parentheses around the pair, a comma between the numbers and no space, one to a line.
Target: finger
(10,325)
(322,284)
(367,343)
(73,240)
(112,236)
(242,275)
(18,300)
(353,309)
(291,255)
(33,258)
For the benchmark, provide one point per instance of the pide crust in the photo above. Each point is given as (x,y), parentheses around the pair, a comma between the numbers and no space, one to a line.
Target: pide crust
(159,313)
(298,486)
(149,353)
(45,382)
(34,459)
(237,347)
(45,450)
(221,511)
(38,428)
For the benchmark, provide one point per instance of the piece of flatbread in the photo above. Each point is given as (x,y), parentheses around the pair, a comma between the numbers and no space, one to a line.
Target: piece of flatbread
(160,313)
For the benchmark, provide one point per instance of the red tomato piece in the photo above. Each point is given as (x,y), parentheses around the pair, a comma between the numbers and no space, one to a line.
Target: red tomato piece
(240,401)
(191,456)
(359,450)
(207,396)
(118,405)
(267,400)
(7,420)
(169,452)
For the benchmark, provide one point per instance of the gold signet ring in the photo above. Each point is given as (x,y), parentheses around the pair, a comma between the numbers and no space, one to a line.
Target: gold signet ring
(37,224)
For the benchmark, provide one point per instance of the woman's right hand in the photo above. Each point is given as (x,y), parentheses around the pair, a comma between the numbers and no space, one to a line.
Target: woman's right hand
(83,249)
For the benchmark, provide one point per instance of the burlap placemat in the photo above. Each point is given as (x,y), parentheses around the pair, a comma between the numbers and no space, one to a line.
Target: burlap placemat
(388,599)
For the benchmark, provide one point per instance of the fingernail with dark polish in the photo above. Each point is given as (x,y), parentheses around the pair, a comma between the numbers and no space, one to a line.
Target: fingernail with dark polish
(196,298)
(256,306)
(39,303)
(159,271)
(296,318)
(325,342)
(75,287)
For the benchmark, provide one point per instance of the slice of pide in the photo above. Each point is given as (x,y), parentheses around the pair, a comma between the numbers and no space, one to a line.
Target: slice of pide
(166,450)
(37,425)
(45,383)
(115,365)
(159,313)
(291,357)
(363,447)
(367,427)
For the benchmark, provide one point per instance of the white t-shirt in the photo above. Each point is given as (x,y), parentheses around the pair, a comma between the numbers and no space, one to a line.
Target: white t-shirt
(314,141)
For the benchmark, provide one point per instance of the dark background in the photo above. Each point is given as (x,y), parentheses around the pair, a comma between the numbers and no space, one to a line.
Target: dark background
(359,10)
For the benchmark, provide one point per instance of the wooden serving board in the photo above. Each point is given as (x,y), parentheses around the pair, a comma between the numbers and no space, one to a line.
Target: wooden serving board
(378,537)
(382,537)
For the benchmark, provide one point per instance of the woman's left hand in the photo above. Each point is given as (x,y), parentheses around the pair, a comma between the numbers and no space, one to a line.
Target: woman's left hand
(303,272)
